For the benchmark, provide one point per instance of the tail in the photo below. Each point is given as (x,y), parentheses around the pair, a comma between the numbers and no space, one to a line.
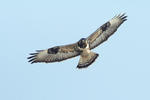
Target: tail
(86,59)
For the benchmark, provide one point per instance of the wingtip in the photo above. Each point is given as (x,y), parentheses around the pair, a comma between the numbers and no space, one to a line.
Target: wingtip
(122,16)
(32,58)
(31,61)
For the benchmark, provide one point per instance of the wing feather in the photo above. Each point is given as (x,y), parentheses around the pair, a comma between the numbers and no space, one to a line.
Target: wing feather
(54,54)
(106,30)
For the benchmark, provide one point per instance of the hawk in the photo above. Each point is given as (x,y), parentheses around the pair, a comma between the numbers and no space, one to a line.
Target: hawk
(82,47)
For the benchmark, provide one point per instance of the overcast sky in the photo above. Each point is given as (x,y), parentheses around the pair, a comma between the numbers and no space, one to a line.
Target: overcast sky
(121,72)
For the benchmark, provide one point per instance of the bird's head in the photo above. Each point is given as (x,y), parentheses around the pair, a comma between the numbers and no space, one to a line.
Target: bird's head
(82,43)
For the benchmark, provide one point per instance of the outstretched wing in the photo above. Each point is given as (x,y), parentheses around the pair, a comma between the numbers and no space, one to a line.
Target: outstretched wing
(54,54)
(106,30)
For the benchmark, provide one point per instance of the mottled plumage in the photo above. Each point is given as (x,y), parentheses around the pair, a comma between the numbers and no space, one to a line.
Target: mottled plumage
(82,47)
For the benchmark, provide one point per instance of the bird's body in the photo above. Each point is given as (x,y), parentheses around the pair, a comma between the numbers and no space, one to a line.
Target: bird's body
(82,47)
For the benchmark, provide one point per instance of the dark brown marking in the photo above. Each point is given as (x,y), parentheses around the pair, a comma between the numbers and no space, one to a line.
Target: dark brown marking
(105,26)
(53,50)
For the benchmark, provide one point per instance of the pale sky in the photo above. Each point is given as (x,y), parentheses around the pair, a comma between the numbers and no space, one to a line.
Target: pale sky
(121,72)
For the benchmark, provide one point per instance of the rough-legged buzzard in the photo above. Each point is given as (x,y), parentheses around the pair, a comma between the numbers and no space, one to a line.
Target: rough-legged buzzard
(82,47)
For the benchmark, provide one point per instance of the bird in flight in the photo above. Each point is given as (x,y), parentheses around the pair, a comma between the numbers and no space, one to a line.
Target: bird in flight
(82,47)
